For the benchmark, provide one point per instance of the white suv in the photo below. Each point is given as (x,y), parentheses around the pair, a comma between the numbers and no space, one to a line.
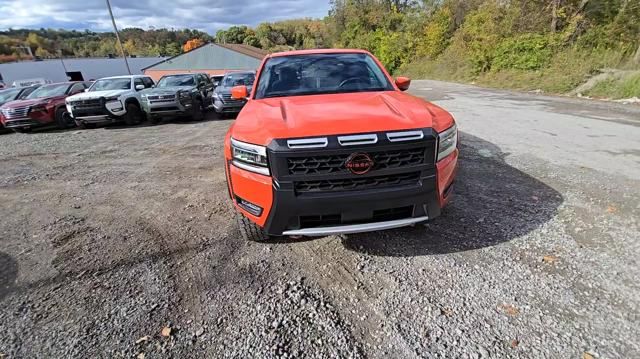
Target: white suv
(109,100)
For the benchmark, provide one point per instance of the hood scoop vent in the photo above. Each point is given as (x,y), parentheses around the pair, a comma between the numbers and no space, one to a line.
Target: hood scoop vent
(405,136)
(355,140)
(318,142)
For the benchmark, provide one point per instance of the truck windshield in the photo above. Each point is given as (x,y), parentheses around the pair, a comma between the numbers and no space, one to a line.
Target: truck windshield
(50,91)
(176,80)
(231,80)
(320,74)
(111,84)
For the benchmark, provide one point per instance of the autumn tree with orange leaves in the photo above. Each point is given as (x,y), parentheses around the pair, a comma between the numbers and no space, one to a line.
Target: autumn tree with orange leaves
(192,44)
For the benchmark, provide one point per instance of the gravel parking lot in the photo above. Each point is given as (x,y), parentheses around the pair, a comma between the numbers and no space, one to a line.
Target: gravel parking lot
(120,242)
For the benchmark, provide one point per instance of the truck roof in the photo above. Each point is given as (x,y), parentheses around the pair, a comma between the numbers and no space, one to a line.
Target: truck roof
(123,77)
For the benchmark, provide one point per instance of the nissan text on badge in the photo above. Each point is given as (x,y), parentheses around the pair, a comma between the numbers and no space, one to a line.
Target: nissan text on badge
(329,143)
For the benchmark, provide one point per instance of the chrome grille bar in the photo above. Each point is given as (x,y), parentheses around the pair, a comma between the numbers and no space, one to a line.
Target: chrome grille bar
(318,142)
(405,136)
(354,140)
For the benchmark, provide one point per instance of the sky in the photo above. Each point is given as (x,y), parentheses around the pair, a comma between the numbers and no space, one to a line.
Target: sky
(205,15)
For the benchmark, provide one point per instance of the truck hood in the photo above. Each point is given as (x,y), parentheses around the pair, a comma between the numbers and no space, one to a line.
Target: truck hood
(96,94)
(166,90)
(261,121)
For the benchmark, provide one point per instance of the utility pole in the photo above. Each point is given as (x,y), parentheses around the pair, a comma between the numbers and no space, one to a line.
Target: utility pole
(115,28)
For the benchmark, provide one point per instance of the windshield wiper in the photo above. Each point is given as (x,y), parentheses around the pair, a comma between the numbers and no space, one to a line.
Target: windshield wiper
(328,92)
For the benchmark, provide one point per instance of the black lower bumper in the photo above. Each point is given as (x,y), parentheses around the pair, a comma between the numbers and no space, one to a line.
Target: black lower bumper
(94,115)
(291,211)
(22,123)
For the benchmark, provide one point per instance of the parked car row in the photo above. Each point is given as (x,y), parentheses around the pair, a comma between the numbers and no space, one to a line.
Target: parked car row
(121,99)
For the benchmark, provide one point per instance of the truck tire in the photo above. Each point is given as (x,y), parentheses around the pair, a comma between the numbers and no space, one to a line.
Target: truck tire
(62,118)
(198,112)
(249,230)
(133,115)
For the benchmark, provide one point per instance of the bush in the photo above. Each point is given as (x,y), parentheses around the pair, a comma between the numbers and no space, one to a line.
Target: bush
(482,32)
(626,87)
(437,33)
(524,52)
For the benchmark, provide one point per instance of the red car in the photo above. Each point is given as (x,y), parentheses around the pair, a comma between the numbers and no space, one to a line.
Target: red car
(44,106)
(330,143)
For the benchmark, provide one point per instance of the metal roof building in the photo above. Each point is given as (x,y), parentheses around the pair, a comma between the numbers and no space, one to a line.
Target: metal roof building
(213,59)
(88,68)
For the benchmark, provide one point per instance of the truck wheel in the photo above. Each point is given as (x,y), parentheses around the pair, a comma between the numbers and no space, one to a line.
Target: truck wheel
(133,115)
(198,112)
(249,230)
(62,118)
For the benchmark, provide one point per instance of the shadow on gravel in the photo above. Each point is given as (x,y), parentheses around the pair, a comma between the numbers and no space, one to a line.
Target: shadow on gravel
(8,274)
(493,203)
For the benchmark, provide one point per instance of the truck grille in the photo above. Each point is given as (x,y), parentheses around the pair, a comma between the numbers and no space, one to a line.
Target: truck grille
(18,112)
(226,98)
(86,104)
(161,98)
(336,163)
(382,215)
(351,184)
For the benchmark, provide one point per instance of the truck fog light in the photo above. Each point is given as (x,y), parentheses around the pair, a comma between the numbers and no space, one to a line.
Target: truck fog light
(249,207)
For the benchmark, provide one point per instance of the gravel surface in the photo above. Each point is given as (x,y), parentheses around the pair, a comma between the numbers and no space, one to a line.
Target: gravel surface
(120,242)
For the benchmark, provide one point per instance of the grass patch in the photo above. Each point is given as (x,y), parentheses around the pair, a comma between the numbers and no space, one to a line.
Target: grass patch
(565,71)
(626,87)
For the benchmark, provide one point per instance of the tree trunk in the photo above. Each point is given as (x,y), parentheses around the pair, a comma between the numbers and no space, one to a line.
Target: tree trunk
(636,57)
(555,9)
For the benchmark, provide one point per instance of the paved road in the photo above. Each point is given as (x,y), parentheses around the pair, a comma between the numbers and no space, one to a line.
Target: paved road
(110,235)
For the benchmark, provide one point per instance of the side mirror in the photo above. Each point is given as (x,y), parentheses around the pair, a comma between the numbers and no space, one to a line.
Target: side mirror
(239,92)
(216,83)
(139,87)
(403,83)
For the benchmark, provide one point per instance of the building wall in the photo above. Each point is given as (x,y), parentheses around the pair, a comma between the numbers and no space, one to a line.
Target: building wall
(157,74)
(210,57)
(53,70)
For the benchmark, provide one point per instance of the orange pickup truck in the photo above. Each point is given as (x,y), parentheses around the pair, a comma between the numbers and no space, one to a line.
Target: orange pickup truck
(329,143)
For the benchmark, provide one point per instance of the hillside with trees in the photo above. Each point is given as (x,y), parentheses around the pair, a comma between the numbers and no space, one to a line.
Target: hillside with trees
(552,45)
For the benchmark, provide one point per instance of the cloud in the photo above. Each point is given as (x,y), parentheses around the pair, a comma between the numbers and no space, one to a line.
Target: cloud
(205,15)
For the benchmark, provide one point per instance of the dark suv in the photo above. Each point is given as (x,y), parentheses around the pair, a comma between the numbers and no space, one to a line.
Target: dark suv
(178,95)
(222,101)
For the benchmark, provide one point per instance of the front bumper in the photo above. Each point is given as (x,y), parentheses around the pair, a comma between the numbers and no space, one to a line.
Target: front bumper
(95,112)
(167,107)
(26,122)
(291,209)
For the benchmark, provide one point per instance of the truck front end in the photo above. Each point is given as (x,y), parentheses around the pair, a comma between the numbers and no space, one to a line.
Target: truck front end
(95,110)
(343,184)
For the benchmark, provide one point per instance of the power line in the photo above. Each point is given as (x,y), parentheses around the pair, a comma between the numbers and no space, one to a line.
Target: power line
(115,28)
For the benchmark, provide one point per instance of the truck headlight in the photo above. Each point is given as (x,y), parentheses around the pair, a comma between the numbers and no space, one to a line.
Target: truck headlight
(111,98)
(250,157)
(184,94)
(447,142)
